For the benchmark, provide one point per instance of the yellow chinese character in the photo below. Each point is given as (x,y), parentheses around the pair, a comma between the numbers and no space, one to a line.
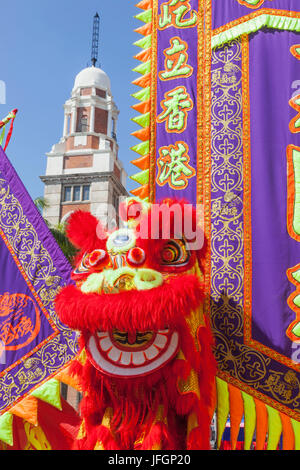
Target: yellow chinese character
(176,58)
(177,13)
(175,106)
(173,166)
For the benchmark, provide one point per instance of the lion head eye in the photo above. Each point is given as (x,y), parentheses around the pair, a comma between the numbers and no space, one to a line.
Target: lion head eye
(175,253)
(96,257)
(90,262)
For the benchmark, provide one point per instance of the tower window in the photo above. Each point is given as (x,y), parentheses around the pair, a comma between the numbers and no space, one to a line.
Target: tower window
(116,201)
(76,193)
(67,193)
(84,124)
(101,93)
(86,193)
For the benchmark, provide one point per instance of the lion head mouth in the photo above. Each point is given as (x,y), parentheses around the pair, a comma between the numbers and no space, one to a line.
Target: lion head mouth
(126,354)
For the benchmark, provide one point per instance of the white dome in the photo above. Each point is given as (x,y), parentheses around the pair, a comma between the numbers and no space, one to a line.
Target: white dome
(92,77)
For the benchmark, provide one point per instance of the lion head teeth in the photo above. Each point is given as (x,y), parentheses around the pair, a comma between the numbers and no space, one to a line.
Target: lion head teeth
(114,354)
(116,361)
(138,358)
(151,352)
(126,358)
(160,341)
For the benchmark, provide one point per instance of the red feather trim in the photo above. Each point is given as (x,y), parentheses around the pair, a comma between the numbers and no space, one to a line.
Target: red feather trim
(159,437)
(85,231)
(199,437)
(133,310)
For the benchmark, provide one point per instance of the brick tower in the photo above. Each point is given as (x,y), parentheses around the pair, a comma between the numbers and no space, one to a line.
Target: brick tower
(83,169)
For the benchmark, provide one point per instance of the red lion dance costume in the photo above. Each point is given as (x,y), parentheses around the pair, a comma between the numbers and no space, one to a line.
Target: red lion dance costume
(146,367)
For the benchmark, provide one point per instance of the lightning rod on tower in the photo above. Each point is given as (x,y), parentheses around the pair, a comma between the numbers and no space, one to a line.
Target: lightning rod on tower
(95,39)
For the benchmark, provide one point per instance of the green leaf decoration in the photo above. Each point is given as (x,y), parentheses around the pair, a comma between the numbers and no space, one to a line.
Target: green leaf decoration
(49,392)
(142,177)
(6,429)
(145,16)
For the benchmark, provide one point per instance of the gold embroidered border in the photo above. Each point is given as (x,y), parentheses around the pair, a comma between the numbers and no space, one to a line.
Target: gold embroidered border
(247,190)
(261,396)
(206,173)
(200,100)
(61,332)
(255,14)
(153,95)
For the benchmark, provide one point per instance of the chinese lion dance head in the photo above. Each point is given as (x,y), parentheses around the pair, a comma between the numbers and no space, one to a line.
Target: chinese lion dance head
(145,364)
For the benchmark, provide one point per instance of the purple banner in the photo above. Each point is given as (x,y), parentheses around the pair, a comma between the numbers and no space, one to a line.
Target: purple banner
(34,345)
(233,142)
(274,251)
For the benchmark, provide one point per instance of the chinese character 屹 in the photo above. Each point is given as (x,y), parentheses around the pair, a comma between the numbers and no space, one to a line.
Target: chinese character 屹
(177,13)
(175,106)
(173,166)
(176,58)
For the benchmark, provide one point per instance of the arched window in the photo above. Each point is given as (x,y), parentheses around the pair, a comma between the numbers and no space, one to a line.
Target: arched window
(114,129)
(84,123)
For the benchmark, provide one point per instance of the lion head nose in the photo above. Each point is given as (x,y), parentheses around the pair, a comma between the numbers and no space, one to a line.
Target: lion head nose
(120,241)
(147,279)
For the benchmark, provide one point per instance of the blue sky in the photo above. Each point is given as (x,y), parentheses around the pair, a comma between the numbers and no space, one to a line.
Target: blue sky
(44,44)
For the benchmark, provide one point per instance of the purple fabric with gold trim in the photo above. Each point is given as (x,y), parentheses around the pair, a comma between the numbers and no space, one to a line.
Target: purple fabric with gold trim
(176,127)
(249,181)
(34,345)
(227,11)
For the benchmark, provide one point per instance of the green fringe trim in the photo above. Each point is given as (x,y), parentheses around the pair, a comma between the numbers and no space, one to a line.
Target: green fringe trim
(274,429)
(6,428)
(142,95)
(250,419)
(145,16)
(296,428)
(142,177)
(142,120)
(49,392)
(222,407)
(145,42)
(143,68)
(143,148)
(255,24)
